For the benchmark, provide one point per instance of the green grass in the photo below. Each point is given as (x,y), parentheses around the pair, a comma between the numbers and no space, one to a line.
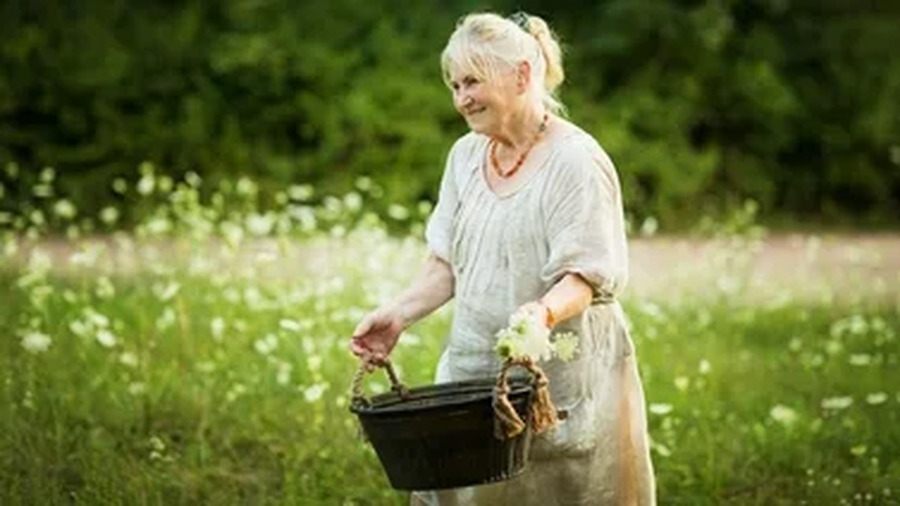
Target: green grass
(224,381)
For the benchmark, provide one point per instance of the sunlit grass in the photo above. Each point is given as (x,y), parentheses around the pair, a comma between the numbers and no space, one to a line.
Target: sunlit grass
(201,359)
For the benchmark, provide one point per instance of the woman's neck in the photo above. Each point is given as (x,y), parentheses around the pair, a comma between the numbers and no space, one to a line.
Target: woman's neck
(519,130)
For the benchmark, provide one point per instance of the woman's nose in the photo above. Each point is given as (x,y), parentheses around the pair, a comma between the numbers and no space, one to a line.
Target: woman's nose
(462,99)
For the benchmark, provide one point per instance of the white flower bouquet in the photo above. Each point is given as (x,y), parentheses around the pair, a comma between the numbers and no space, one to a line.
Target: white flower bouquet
(527,336)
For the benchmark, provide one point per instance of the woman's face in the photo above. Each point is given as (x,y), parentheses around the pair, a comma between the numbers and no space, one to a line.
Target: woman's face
(486,105)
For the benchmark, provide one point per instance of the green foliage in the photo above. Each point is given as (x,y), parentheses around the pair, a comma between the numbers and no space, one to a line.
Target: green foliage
(702,105)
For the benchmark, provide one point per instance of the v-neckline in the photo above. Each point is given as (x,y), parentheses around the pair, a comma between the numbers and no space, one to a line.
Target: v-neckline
(483,168)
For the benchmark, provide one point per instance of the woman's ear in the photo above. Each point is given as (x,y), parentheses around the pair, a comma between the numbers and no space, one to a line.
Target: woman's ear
(523,77)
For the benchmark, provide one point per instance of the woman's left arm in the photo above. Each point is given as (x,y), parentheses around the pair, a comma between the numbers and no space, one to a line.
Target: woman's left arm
(566,299)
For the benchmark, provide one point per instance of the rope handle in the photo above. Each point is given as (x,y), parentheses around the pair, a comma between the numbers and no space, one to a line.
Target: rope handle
(358,398)
(507,422)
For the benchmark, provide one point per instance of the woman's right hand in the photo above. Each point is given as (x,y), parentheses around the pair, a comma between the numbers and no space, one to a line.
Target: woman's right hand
(376,335)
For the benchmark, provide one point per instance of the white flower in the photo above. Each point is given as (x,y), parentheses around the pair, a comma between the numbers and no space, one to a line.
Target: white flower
(217,327)
(166,320)
(314,392)
(266,345)
(565,346)
(146,184)
(36,342)
(527,336)
(128,359)
(289,325)
(783,415)
(106,338)
(398,212)
(704,366)
(660,409)
(860,359)
(300,192)
(837,403)
(109,215)
(260,224)
(284,373)
(64,209)
(165,292)
(876,398)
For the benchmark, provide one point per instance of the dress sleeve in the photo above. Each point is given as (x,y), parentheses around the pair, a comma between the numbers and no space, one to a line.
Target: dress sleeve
(585,223)
(439,230)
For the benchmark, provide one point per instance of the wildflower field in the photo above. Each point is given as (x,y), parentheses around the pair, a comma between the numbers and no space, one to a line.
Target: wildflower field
(200,356)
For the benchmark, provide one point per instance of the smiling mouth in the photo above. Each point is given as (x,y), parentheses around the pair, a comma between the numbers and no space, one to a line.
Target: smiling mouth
(472,112)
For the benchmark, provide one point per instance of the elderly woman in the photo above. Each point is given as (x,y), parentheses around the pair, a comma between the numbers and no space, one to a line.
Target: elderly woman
(529,217)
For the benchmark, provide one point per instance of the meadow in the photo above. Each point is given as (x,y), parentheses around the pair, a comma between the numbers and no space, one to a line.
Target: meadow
(200,356)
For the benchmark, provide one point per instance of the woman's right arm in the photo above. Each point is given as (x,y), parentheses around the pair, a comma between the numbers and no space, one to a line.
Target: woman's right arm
(378,332)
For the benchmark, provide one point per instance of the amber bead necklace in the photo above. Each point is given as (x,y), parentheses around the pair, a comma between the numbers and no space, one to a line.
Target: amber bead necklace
(521,159)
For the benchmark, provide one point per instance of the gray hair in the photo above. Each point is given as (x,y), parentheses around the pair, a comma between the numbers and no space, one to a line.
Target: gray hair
(483,43)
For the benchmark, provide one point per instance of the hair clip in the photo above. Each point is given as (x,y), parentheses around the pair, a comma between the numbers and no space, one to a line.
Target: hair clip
(521,19)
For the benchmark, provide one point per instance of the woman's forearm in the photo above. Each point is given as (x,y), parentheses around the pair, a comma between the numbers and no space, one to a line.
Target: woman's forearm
(431,289)
(567,298)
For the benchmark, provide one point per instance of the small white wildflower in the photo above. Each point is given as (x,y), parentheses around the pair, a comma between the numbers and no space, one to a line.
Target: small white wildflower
(783,415)
(313,363)
(96,319)
(682,383)
(166,320)
(300,192)
(565,346)
(284,373)
(165,292)
(837,403)
(146,184)
(860,359)
(877,398)
(661,449)
(398,212)
(217,328)
(232,233)
(353,201)
(260,224)
(120,186)
(833,347)
(314,392)
(660,409)
(105,288)
(79,328)
(649,226)
(289,325)
(137,388)
(109,215)
(36,342)
(65,209)
(406,338)
(48,174)
(128,359)
(266,345)
(246,186)
(705,367)
(106,338)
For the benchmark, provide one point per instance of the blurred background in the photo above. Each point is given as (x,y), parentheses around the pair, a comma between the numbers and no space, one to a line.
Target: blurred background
(199,201)
(703,105)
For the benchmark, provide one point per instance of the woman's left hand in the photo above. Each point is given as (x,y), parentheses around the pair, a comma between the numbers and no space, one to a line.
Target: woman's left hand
(538,311)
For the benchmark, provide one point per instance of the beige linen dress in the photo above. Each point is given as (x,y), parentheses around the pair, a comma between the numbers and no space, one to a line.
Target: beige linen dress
(506,251)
